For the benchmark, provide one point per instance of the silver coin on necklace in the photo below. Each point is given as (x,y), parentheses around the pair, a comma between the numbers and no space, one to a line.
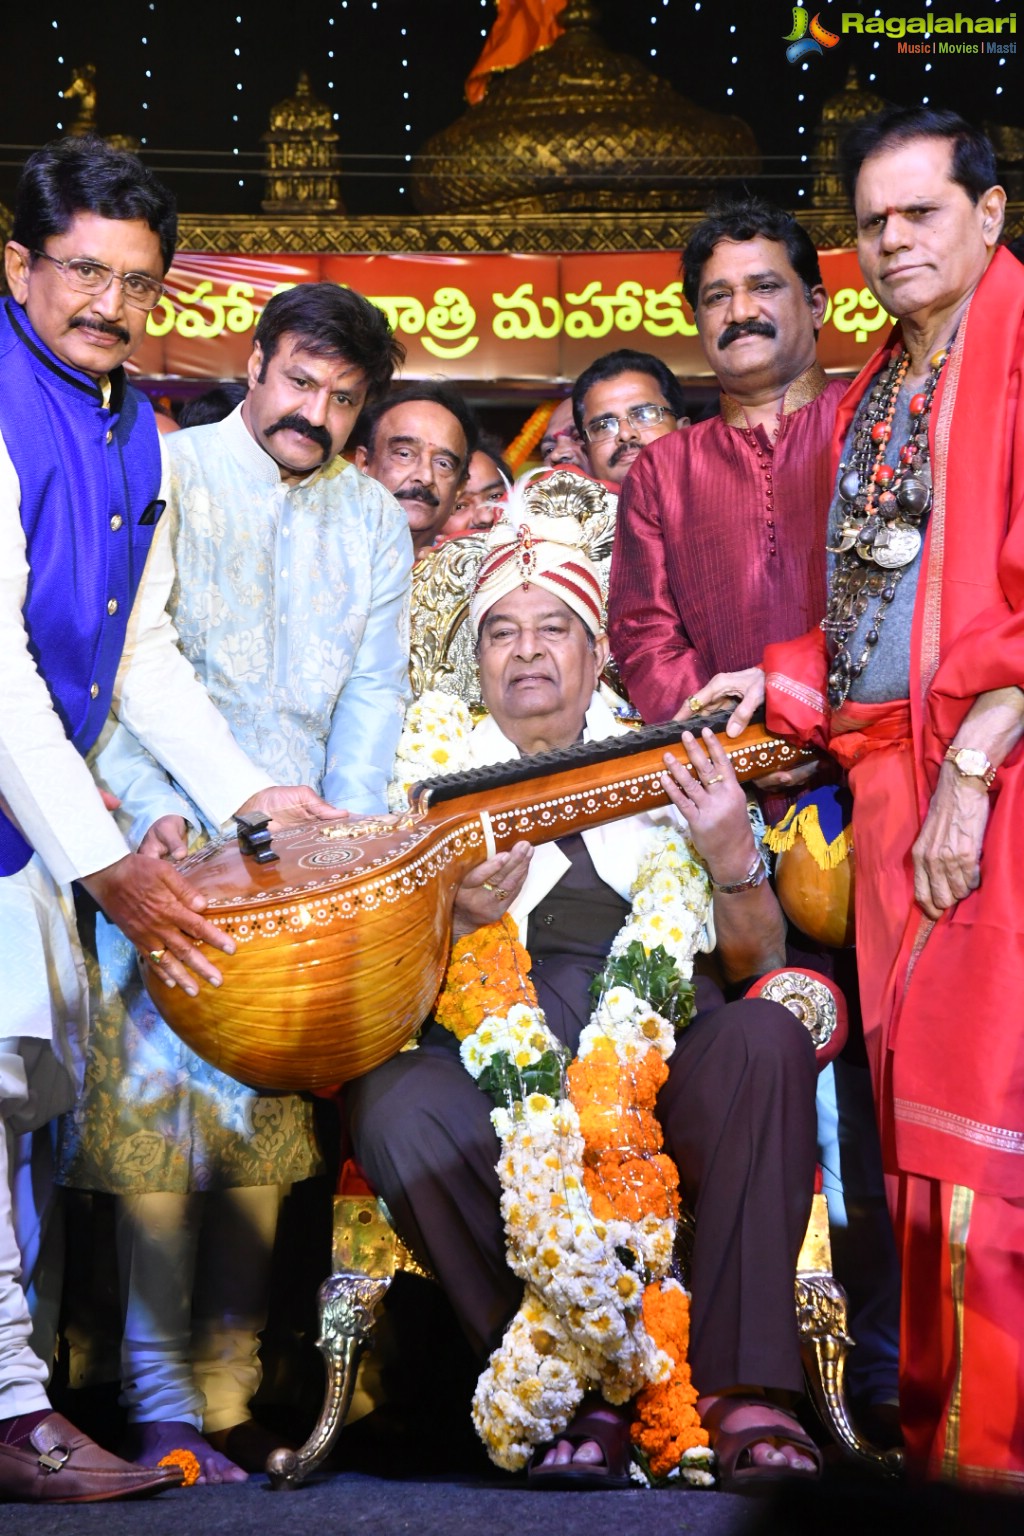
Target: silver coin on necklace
(902,547)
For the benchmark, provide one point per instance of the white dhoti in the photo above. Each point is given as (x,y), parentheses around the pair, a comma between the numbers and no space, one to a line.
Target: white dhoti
(44,1023)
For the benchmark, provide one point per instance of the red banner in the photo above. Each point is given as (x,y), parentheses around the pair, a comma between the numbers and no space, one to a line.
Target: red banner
(495,318)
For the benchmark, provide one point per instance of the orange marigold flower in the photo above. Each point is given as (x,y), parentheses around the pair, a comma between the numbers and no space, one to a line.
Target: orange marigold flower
(488,974)
(649,1075)
(667,1422)
(632,1187)
(187,1461)
(625,1173)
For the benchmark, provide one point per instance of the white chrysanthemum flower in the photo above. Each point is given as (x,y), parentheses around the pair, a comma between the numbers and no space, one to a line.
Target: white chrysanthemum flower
(434,741)
(617,1006)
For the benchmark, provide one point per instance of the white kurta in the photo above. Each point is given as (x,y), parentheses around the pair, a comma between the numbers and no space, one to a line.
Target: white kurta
(48,789)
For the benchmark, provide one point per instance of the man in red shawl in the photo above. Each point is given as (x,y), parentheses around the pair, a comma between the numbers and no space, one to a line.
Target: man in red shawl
(915,681)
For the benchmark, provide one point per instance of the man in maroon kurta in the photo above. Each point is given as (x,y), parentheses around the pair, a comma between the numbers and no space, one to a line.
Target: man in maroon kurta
(720,546)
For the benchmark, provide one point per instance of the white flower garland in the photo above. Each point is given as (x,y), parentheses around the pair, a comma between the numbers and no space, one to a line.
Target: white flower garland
(579,1326)
(435,740)
(580,1323)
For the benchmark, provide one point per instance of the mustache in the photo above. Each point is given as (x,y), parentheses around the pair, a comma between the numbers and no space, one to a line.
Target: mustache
(622,450)
(95,323)
(298,423)
(745,328)
(419,493)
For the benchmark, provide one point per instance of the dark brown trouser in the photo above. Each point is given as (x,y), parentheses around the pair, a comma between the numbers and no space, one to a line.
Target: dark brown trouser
(739,1118)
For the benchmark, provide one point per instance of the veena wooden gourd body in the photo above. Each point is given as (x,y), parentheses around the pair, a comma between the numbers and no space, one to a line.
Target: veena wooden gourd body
(342,942)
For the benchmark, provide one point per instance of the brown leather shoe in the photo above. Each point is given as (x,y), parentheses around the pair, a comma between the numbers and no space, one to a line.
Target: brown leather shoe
(60,1465)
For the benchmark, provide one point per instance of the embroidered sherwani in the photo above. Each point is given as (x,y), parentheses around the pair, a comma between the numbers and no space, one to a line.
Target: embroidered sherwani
(291,602)
(942,1001)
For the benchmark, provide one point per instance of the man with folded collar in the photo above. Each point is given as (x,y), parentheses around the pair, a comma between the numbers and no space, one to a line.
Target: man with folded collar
(85,572)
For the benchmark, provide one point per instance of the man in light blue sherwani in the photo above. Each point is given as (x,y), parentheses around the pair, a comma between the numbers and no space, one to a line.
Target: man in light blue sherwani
(291,602)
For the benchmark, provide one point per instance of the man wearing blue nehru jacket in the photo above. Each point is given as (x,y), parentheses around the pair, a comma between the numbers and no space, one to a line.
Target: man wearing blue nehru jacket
(85,572)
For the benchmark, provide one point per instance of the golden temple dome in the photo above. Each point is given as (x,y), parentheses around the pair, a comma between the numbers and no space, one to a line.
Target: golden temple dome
(301,154)
(838,115)
(579,126)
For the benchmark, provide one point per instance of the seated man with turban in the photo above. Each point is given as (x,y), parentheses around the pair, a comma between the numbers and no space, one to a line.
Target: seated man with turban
(737,1102)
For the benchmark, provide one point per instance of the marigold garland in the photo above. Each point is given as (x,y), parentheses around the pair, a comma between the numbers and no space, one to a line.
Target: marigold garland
(667,1427)
(487,973)
(589,1198)
(529,434)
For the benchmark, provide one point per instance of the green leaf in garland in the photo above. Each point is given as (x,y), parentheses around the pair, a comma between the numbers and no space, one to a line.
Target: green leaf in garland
(653,976)
(508,1084)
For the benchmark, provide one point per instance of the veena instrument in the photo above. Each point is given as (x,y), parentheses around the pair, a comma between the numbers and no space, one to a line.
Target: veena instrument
(342,940)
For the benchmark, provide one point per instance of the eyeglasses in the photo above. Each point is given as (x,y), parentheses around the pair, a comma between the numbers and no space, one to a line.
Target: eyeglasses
(95,277)
(639,416)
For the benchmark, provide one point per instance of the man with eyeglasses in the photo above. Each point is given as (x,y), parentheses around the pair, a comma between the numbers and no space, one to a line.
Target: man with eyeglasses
(621,403)
(85,572)
(418,442)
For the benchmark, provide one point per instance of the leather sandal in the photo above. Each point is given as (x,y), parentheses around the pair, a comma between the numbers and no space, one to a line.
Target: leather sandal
(730,1446)
(60,1465)
(612,1435)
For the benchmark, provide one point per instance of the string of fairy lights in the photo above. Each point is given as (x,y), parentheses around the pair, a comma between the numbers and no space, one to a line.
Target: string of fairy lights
(236,49)
(147,72)
(382,29)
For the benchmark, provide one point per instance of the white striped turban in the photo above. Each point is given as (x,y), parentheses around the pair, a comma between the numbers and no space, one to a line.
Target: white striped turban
(538,551)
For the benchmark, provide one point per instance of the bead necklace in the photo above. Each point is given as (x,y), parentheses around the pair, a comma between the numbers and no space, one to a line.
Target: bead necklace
(884,511)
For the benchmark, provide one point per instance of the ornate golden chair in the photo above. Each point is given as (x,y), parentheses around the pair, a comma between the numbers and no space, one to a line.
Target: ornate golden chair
(441,646)
(367,1252)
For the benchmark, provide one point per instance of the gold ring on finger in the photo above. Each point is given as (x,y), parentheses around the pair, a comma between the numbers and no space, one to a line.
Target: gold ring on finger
(716,778)
(157,955)
(694,705)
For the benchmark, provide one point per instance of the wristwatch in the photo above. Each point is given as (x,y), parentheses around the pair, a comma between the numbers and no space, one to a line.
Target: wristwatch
(971,763)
